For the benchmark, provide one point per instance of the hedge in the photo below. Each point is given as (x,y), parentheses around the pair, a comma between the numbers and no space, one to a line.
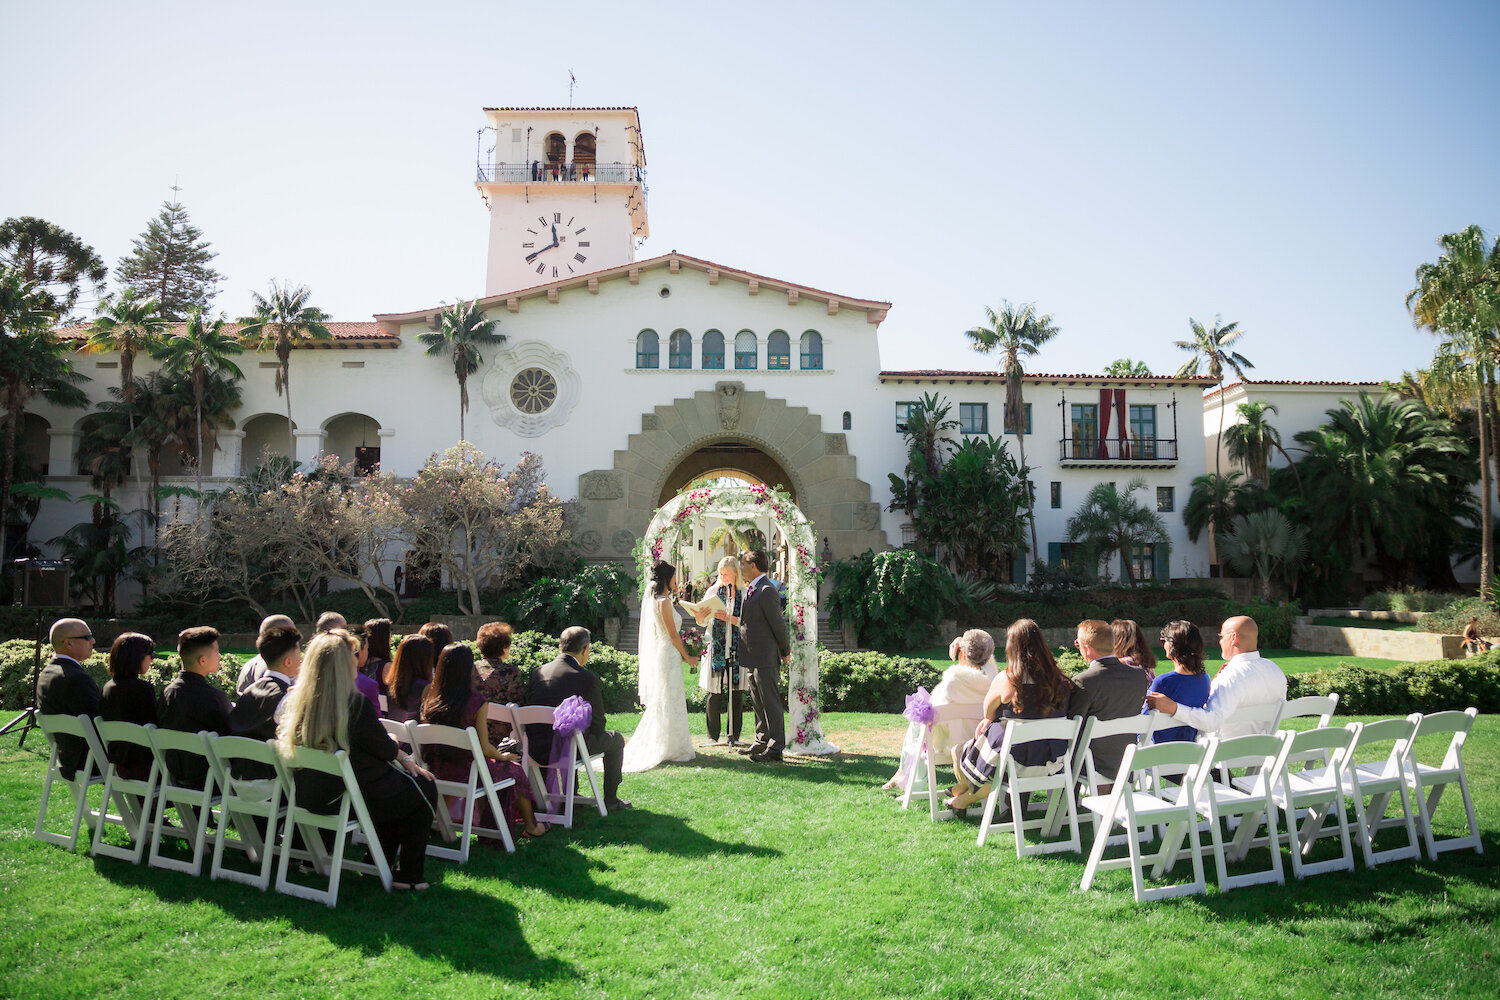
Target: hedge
(1427,686)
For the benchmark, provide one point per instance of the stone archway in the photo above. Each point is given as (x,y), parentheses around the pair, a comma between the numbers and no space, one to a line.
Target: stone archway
(618,503)
(733,457)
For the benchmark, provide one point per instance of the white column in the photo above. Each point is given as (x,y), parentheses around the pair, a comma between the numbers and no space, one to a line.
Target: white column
(226,460)
(60,449)
(309,446)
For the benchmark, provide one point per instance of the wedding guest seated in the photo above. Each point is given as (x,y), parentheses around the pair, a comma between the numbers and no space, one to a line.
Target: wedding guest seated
(452,700)
(441,636)
(64,688)
(565,676)
(1108,688)
(965,683)
(407,675)
(260,708)
(1185,685)
(1031,687)
(192,704)
(255,667)
(363,683)
(1132,648)
(1246,679)
(330,620)
(325,712)
(378,638)
(129,697)
(498,680)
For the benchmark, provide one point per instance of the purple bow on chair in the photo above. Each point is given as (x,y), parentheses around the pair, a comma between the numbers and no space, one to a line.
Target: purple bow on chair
(919,708)
(572,716)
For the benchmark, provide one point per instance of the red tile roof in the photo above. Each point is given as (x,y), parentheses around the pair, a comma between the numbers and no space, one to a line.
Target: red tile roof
(637,110)
(1034,377)
(342,332)
(1273,384)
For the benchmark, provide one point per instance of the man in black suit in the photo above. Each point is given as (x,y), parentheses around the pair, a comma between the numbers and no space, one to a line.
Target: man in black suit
(1107,688)
(65,688)
(558,680)
(764,646)
(191,704)
(258,711)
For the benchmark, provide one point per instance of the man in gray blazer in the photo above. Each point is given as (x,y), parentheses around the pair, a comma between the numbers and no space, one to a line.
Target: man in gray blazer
(763,648)
(1107,688)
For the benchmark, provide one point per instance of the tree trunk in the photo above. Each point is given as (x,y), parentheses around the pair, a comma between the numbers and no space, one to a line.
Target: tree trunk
(12,419)
(1485,411)
(198,414)
(463,402)
(1020,422)
(286,386)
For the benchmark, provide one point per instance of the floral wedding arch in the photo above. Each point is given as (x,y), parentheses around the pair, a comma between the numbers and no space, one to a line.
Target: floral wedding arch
(677,517)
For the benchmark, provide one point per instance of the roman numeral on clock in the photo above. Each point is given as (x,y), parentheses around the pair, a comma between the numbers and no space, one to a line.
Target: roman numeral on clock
(583,243)
(554,272)
(541,220)
(580,230)
(528,246)
(541,269)
(579,257)
(556,216)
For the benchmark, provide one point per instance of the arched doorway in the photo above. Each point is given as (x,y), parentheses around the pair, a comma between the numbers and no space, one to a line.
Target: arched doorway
(722,464)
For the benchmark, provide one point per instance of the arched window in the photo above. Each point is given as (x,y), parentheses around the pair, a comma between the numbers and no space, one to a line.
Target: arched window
(647,350)
(583,156)
(680,349)
(745,349)
(848,420)
(778,351)
(713,349)
(812,351)
(554,156)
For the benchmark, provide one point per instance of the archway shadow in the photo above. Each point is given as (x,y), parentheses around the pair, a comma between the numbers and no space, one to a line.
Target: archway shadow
(369,920)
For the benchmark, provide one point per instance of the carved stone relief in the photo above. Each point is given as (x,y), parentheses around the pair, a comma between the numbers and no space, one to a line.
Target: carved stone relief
(867,516)
(600,486)
(838,444)
(590,541)
(649,422)
(729,404)
(623,541)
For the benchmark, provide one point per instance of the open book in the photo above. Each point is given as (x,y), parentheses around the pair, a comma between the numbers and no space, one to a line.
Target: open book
(710,604)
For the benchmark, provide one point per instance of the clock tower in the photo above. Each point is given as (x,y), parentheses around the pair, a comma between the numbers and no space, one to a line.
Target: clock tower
(566,192)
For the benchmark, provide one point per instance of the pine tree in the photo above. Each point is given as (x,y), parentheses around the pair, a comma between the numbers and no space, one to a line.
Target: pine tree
(171,261)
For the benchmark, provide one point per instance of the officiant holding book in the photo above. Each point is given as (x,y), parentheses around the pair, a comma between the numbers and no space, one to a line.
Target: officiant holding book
(719,669)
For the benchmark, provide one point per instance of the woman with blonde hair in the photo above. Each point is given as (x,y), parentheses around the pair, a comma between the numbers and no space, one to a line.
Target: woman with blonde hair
(719,666)
(325,711)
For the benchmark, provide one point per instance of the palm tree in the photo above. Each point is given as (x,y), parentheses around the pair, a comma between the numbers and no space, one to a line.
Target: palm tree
(1212,503)
(129,324)
(202,349)
(462,330)
(32,363)
(283,320)
(1460,295)
(733,534)
(1251,441)
(1018,333)
(1110,520)
(1211,346)
(1264,544)
(1126,368)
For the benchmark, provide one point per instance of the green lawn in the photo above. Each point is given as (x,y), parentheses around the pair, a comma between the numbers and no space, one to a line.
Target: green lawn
(1379,623)
(731,879)
(1292,661)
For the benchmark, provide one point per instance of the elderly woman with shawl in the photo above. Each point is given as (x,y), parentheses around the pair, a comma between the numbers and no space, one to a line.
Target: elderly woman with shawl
(964,683)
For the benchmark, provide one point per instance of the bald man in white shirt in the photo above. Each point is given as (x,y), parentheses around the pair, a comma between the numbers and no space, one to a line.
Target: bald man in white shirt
(1245,679)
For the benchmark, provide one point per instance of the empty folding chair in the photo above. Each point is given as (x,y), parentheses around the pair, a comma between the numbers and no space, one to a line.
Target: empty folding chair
(477,788)
(1380,780)
(566,777)
(1317,795)
(1318,706)
(1087,778)
(351,818)
(136,796)
(250,808)
(1017,781)
(86,777)
(194,805)
(1434,778)
(921,780)
(1242,809)
(1130,805)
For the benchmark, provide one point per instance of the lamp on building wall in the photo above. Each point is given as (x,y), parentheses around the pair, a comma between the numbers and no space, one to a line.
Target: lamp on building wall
(827,555)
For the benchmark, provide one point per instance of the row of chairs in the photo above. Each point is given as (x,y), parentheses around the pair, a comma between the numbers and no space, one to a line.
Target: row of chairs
(1178,791)
(247,814)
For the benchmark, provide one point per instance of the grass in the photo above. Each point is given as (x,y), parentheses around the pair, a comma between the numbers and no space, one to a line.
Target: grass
(1379,623)
(732,879)
(1291,661)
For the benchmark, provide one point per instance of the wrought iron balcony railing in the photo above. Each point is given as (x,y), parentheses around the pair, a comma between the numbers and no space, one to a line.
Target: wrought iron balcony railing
(1115,450)
(526,173)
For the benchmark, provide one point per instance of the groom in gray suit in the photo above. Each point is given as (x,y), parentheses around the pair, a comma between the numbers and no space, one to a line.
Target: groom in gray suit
(763,648)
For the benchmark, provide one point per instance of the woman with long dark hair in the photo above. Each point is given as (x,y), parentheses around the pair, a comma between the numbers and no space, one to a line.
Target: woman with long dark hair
(451,700)
(1188,683)
(129,697)
(407,675)
(1030,687)
(378,645)
(663,733)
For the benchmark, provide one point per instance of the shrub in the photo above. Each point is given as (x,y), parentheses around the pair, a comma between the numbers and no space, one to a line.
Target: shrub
(1069,661)
(1409,599)
(869,681)
(1427,686)
(618,671)
(894,600)
(1452,618)
(586,596)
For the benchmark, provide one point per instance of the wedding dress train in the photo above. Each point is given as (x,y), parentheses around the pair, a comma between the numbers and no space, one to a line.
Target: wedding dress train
(663,731)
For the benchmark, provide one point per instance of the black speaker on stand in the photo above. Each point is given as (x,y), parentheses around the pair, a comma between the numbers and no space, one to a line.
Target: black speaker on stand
(43,586)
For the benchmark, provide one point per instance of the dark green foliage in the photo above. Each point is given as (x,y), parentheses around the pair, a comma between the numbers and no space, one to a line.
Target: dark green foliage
(1451,619)
(894,600)
(1408,599)
(1275,621)
(1053,581)
(974,506)
(583,595)
(1428,686)
(59,262)
(172,262)
(870,682)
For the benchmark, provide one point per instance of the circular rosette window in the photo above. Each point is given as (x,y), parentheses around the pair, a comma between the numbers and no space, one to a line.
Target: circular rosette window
(533,390)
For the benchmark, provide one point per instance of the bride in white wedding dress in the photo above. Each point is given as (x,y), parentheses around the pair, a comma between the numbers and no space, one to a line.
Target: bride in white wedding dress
(663,732)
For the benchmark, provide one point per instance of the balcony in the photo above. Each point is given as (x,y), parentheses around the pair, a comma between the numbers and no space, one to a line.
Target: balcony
(1159,452)
(579,173)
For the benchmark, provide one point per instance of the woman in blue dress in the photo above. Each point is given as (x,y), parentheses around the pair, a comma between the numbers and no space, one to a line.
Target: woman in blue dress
(1188,683)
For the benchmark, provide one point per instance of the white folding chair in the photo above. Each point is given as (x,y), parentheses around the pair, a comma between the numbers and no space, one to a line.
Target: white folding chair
(1086,777)
(1242,809)
(86,777)
(1317,794)
(401,733)
(1137,810)
(921,779)
(567,778)
(312,824)
(1018,780)
(194,805)
(1320,705)
(465,742)
(1380,780)
(1434,779)
(136,796)
(253,807)
(385,705)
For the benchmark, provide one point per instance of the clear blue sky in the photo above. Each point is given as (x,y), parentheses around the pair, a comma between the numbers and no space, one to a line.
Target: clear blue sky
(1126,166)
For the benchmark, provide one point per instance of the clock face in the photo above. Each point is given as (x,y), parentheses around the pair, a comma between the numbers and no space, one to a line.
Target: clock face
(556,245)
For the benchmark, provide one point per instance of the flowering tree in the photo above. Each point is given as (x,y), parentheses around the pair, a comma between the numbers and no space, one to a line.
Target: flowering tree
(485,525)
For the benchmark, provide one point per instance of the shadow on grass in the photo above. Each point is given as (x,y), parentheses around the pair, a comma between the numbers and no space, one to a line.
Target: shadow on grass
(488,939)
(834,770)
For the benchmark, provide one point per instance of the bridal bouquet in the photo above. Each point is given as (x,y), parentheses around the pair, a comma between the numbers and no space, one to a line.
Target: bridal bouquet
(692,639)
